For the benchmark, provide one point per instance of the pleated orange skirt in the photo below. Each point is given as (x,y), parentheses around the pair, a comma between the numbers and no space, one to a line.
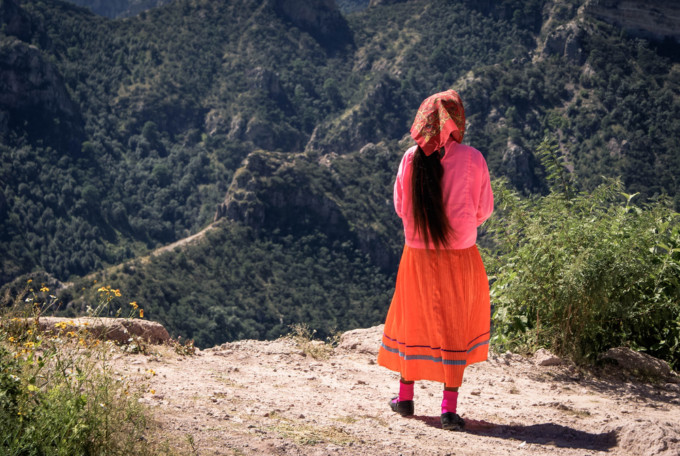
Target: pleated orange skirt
(439,319)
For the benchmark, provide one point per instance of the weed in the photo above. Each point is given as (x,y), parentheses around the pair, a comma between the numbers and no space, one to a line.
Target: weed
(60,393)
(303,337)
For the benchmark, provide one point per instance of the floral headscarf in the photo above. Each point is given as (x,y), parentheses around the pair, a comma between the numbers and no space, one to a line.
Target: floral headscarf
(439,117)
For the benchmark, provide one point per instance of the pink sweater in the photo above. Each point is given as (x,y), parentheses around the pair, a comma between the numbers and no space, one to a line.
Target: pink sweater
(468,199)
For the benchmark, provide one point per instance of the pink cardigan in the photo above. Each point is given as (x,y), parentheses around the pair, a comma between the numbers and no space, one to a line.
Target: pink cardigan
(466,187)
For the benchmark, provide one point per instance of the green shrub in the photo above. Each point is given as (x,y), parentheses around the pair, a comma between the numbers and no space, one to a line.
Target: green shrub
(59,394)
(580,274)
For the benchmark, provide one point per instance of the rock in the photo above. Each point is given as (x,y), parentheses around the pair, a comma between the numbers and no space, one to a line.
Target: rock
(264,80)
(652,19)
(373,3)
(543,357)
(518,164)
(646,438)
(617,149)
(33,94)
(115,329)
(15,21)
(565,41)
(216,122)
(260,133)
(638,362)
(365,341)
(254,199)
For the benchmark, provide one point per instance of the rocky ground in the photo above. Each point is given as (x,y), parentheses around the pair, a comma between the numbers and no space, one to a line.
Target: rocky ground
(253,397)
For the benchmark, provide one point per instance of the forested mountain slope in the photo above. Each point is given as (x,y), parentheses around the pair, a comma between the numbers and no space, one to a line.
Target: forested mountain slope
(284,121)
(119,8)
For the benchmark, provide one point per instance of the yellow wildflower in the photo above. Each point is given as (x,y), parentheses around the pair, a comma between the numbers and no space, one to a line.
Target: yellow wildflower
(29,332)
(44,289)
(29,281)
(71,334)
(12,339)
(141,313)
(28,344)
(134,304)
(116,292)
(153,391)
(82,342)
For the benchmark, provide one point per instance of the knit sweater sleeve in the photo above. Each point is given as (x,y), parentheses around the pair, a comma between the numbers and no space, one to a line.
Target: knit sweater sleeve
(485,206)
(399,187)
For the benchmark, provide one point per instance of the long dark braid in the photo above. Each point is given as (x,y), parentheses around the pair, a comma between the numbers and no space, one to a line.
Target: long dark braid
(428,202)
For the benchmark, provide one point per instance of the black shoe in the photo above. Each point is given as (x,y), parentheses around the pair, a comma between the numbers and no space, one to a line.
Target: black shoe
(404,408)
(452,422)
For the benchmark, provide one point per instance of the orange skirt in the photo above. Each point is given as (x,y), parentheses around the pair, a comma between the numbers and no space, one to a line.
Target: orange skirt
(439,319)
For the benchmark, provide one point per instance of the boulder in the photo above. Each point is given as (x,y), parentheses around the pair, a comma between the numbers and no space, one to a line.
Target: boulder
(544,357)
(637,362)
(366,341)
(115,329)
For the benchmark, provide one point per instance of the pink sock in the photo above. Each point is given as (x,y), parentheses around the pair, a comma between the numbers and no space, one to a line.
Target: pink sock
(450,401)
(405,391)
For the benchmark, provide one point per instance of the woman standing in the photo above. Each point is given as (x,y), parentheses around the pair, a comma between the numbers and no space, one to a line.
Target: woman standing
(438,321)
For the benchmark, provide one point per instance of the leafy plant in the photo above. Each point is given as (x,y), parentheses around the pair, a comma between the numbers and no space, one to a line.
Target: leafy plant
(59,393)
(582,273)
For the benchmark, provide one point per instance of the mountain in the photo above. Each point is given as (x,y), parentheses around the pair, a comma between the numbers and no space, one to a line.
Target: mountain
(282,122)
(119,8)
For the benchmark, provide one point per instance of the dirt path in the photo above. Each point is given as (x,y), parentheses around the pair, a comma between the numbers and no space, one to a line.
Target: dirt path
(184,241)
(252,398)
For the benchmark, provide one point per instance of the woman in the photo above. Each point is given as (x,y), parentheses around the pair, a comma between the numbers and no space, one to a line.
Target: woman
(438,321)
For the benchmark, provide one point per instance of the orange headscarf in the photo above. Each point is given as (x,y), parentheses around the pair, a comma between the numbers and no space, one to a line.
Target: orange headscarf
(439,117)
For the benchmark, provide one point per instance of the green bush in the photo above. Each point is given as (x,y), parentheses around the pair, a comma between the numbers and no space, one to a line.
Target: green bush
(580,274)
(59,394)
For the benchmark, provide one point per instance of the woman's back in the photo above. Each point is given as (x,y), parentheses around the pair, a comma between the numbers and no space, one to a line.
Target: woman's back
(466,191)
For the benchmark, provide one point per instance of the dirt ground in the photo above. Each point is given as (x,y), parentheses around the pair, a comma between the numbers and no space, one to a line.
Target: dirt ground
(254,397)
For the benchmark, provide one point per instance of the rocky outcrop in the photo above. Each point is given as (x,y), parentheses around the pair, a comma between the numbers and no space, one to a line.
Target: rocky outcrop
(290,193)
(363,340)
(363,123)
(33,94)
(264,80)
(565,41)
(517,163)
(384,2)
(15,21)
(652,19)
(119,8)
(319,18)
(116,329)
(268,192)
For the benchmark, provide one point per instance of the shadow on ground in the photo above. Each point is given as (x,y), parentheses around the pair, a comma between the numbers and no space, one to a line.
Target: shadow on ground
(540,434)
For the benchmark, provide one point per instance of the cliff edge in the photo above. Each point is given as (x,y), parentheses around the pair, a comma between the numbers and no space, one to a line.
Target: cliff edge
(273,397)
